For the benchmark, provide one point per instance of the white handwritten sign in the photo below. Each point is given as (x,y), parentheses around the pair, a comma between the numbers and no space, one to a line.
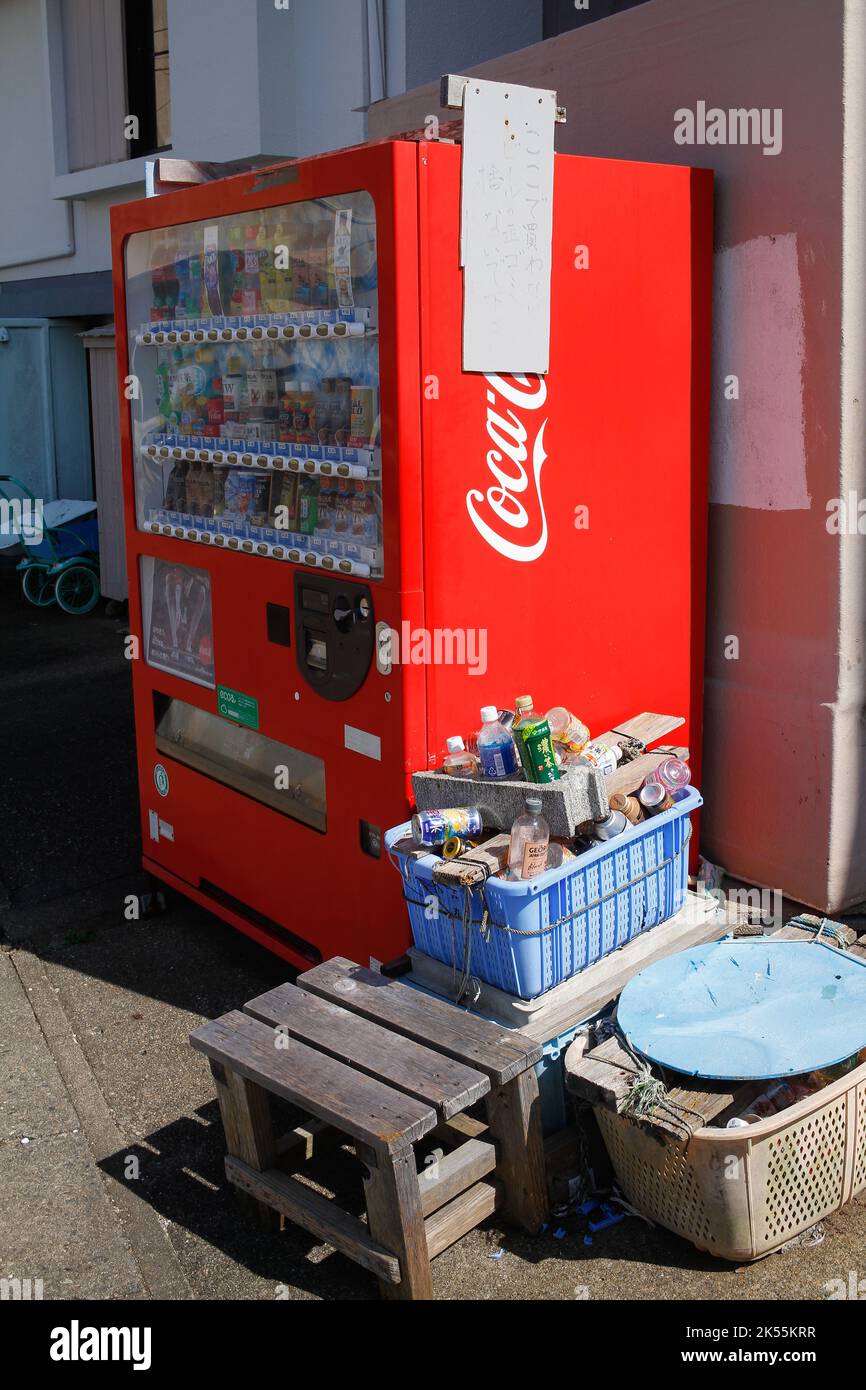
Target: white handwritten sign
(506,226)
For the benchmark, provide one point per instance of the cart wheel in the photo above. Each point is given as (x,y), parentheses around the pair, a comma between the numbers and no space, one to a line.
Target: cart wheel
(77,589)
(37,585)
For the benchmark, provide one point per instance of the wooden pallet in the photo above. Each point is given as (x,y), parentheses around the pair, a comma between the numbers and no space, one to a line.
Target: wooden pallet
(584,995)
(384,1066)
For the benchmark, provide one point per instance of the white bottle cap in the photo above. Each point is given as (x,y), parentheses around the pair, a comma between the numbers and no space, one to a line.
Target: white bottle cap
(455,744)
(489,714)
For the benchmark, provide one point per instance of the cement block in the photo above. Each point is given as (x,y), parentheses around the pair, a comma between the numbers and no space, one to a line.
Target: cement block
(578,796)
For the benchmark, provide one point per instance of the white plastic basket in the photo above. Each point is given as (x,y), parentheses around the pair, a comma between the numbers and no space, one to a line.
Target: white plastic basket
(742,1193)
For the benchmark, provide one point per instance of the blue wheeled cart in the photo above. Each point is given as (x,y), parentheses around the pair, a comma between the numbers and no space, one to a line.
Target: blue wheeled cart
(60,563)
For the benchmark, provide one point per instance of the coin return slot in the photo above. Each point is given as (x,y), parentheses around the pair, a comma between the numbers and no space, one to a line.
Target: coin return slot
(317,652)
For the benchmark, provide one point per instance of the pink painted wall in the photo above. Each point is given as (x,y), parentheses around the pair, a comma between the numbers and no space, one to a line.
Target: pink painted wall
(784,753)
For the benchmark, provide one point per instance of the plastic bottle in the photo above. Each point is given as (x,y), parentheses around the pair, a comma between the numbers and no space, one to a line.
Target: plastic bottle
(264,246)
(342,507)
(164,379)
(305,414)
(530,837)
(251,299)
(198,300)
(534,742)
(495,746)
(672,774)
(262,387)
(193,489)
(457,762)
(281,302)
(158,277)
(309,506)
(604,757)
(325,411)
(185,306)
(207,491)
(302,269)
(235,394)
(524,717)
(566,729)
(175,489)
(320,256)
(233,295)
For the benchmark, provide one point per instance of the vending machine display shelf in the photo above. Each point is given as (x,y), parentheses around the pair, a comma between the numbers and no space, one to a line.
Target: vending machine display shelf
(249,545)
(272,332)
(287,463)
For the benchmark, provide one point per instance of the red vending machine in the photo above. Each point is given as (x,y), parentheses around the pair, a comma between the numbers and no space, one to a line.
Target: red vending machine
(341,545)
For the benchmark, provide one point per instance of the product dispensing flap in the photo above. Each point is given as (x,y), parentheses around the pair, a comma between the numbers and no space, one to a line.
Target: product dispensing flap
(506,223)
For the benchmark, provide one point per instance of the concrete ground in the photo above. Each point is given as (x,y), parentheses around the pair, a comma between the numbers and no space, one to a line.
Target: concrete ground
(110,1143)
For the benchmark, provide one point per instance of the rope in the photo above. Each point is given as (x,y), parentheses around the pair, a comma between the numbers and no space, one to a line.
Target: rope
(648,1093)
(486,922)
(821,926)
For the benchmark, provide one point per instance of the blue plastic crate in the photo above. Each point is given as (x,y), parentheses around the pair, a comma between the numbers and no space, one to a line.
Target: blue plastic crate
(528,935)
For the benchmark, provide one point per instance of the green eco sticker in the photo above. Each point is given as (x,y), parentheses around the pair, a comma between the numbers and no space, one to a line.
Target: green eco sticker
(160,779)
(243,709)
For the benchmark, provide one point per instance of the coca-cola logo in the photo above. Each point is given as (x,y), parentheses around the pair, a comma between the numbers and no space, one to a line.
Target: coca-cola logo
(504,500)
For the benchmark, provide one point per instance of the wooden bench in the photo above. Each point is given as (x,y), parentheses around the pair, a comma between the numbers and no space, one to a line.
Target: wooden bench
(385,1066)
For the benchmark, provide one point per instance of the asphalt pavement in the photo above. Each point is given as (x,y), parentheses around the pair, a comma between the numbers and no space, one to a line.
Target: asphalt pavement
(111,1149)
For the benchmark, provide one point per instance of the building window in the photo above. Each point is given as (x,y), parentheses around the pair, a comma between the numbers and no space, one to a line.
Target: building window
(115,65)
(147,74)
(562,15)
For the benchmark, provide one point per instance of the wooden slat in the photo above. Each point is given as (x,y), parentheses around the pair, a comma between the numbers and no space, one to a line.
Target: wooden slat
(452,1221)
(493,1050)
(366,1109)
(603,1077)
(317,1214)
(449,1176)
(454,1131)
(395,1221)
(246,1115)
(514,1117)
(418,1071)
(649,728)
(474,866)
(306,1136)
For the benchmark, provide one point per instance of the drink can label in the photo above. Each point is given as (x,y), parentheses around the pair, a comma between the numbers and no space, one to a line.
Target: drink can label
(431,828)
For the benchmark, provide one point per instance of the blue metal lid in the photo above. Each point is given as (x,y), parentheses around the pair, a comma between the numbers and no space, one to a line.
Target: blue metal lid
(747,1010)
